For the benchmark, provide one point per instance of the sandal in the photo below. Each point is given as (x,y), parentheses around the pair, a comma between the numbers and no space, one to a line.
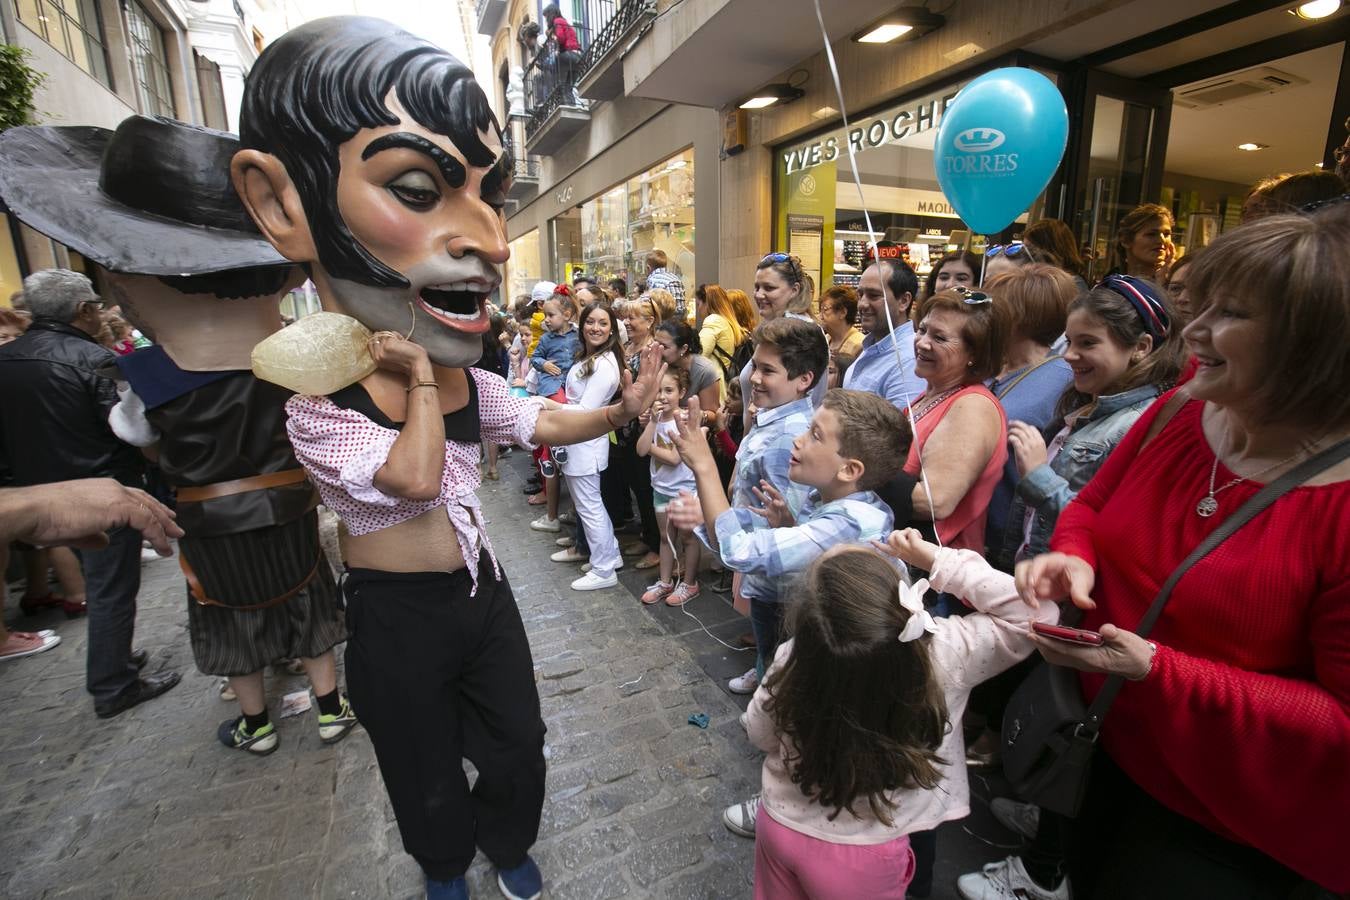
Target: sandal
(30,605)
(491,475)
(74,609)
(26,643)
(537,499)
(650,561)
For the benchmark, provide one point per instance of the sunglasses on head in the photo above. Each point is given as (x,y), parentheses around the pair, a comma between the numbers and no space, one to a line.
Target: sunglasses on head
(1016,248)
(781,258)
(972,298)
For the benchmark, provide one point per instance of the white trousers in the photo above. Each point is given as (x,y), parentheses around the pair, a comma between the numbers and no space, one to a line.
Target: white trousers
(585,490)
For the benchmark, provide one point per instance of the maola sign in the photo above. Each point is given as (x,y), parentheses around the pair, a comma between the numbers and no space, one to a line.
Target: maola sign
(913,118)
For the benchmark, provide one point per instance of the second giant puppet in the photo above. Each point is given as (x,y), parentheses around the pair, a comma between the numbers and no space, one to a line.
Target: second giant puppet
(373,158)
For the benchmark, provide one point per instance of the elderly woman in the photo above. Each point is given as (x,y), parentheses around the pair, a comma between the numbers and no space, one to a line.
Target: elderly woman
(960,433)
(1032,377)
(1224,763)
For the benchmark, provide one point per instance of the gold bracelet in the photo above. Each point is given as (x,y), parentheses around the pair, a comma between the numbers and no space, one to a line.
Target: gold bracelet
(410,388)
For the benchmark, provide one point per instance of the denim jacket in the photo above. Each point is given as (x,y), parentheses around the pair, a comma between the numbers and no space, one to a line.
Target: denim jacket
(1048,488)
(560,349)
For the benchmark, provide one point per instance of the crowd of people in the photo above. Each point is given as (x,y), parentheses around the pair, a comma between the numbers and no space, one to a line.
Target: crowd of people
(895,484)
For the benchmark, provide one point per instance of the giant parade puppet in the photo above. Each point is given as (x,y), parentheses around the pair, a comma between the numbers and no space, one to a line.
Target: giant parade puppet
(372,159)
(152,204)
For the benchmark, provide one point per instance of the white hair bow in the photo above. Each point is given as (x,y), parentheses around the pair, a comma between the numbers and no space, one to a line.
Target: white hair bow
(920,622)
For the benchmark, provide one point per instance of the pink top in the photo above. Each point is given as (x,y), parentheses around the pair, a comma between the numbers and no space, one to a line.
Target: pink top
(342,449)
(965,650)
(964,528)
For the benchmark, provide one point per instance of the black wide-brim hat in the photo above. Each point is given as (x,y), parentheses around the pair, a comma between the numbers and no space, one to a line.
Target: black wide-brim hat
(153,197)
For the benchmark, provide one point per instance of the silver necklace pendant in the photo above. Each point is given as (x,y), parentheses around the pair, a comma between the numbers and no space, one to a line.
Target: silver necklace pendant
(1207,507)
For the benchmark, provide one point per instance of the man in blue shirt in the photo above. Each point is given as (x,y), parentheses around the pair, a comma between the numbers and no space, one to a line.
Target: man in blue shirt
(888,282)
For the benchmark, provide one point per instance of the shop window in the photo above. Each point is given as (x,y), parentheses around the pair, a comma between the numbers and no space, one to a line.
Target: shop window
(524,268)
(72,27)
(150,63)
(819,213)
(653,210)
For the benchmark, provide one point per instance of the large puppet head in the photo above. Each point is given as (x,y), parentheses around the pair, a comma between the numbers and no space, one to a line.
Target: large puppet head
(373,157)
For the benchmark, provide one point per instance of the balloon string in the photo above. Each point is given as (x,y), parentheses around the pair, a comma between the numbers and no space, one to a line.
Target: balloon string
(872,242)
(413,326)
(984,258)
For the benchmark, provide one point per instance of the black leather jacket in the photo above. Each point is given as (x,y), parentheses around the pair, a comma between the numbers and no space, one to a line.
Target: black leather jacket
(54,409)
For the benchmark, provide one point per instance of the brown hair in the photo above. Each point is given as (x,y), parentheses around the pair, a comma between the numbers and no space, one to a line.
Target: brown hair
(791,271)
(971,261)
(800,344)
(663,302)
(843,296)
(985,330)
(1282,194)
(1053,241)
(1293,271)
(718,302)
(681,377)
(567,302)
(1125,327)
(587,357)
(746,316)
(863,713)
(803,304)
(657,259)
(1038,297)
(1135,221)
(872,431)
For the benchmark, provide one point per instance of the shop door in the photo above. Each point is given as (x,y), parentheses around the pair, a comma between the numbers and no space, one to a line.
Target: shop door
(1117,156)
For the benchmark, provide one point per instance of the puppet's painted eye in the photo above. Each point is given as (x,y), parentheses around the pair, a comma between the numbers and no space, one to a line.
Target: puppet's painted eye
(415,189)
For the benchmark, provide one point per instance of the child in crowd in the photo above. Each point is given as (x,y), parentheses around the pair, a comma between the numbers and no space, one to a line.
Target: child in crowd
(551,361)
(730,429)
(860,713)
(670,478)
(790,358)
(854,443)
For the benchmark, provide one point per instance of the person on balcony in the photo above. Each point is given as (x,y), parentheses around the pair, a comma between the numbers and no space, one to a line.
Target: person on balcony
(566,52)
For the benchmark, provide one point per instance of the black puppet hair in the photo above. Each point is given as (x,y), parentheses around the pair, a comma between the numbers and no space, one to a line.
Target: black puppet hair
(232,283)
(319,84)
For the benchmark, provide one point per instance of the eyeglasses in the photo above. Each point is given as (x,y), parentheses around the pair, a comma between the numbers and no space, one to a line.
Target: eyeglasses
(96,303)
(1016,248)
(972,298)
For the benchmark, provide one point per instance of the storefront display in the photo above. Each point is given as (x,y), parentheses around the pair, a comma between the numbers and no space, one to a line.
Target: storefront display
(653,210)
(819,211)
(523,269)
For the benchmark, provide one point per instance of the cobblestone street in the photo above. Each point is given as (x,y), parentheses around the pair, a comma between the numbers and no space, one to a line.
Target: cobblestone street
(149,805)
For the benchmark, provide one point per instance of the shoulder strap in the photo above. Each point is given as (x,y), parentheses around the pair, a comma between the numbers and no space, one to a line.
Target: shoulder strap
(1170,409)
(1007,388)
(1305,470)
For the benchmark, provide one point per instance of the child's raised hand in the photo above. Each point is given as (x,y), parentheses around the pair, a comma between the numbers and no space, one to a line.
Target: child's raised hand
(772,506)
(908,545)
(1028,447)
(691,441)
(684,512)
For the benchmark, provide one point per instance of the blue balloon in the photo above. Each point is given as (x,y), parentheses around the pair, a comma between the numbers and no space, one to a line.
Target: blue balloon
(1000,140)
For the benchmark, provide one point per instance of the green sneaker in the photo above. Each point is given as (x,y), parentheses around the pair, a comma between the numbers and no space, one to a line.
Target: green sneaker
(334,728)
(235,735)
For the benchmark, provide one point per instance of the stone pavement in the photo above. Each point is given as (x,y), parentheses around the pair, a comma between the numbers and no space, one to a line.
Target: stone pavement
(149,805)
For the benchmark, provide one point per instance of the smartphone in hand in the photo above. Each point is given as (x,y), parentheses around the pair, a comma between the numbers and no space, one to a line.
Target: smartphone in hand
(1065,633)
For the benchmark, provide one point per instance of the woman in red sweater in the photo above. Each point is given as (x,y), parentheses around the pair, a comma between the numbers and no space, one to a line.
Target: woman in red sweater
(1226,770)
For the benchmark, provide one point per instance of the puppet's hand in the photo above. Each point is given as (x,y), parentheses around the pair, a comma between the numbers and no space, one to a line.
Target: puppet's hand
(395,353)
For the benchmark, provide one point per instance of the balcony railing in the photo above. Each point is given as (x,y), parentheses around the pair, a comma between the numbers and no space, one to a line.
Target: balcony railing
(609,20)
(550,83)
(524,166)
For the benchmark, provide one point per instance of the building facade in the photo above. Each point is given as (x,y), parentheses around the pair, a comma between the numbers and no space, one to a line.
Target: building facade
(1182,102)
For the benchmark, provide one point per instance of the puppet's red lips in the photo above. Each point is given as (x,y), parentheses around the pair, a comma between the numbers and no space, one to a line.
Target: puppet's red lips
(469,316)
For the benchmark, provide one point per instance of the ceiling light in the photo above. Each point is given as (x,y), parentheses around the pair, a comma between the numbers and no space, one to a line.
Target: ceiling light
(906,22)
(825,112)
(773,93)
(1251,147)
(884,33)
(1316,9)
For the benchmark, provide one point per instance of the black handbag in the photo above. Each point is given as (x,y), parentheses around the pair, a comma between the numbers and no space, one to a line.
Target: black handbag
(1049,734)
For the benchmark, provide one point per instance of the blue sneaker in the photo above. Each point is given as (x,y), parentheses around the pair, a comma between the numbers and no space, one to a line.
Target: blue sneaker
(521,883)
(455,889)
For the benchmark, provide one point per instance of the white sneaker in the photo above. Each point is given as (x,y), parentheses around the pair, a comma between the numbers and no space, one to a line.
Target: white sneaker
(564,541)
(1023,818)
(568,518)
(544,523)
(586,567)
(1007,880)
(593,582)
(745,684)
(568,555)
(740,817)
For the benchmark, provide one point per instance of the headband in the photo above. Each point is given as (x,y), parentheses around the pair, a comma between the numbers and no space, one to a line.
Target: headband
(1143,296)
